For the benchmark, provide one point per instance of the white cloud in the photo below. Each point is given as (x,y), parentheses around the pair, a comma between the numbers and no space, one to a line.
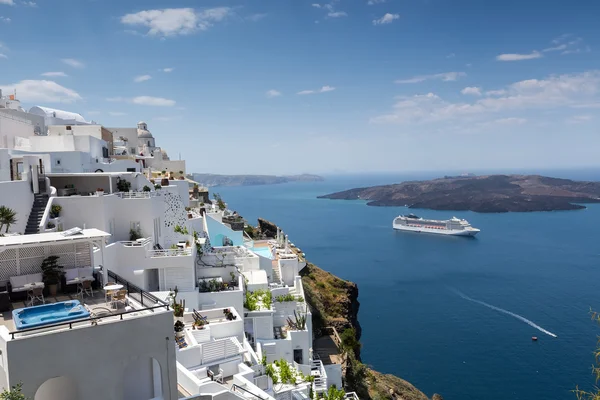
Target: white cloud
(9,2)
(386,19)
(500,92)
(556,48)
(3,55)
(446,77)
(589,105)
(519,57)
(142,78)
(451,55)
(273,93)
(167,70)
(510,121)
(153,101)
(73,62)
(42,91)
(323,89)
(116,113)
(31,4)
(176,21)
(144,101)
(337,14)
(373,2)
(55,74)
(472,90)
(316,5)
(5,19)
(579,119)
(554,92)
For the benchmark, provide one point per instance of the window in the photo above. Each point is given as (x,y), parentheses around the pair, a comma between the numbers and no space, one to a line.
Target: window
(68,127)
(57,161)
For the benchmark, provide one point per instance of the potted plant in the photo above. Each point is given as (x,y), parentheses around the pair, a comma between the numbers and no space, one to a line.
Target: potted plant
(147,188)
(99,192)
(164,182)
(199,324)
(51,273)
(178,327)
(55,211)
(177,306)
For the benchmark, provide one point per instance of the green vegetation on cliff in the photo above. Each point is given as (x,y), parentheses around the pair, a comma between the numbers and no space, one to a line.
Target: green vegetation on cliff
(334,303)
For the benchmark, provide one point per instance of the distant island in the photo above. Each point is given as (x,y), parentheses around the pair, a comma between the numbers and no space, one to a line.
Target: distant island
(210,180)
(485,194)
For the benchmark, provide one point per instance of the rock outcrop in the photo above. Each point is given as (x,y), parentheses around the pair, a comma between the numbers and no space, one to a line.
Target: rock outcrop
(486,194)
(334,302)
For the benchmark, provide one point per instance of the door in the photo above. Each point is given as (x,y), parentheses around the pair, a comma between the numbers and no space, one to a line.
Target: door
(298,356)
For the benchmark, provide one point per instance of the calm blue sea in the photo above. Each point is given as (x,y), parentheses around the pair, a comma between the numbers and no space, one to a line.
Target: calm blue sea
(544,267)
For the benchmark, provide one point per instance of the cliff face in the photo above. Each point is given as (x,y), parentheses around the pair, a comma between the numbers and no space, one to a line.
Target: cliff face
(334,302)
(492,193)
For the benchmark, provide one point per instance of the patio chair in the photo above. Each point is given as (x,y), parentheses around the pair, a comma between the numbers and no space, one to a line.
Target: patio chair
(83,288)
(119,297)
(35,294)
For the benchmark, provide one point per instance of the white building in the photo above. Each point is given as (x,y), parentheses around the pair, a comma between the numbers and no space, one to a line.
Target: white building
(244,323)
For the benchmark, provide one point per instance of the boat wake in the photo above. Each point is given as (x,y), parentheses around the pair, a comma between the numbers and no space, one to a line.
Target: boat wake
(503,311)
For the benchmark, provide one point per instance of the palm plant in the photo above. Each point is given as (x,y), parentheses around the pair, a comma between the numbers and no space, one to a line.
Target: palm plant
(8,217)
(300,322)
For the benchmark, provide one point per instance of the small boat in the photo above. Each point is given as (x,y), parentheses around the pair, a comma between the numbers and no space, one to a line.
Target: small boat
(534,338)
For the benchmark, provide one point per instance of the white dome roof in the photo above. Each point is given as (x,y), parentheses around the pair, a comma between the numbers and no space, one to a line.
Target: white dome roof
(144,134)
(141,123)
(54,113)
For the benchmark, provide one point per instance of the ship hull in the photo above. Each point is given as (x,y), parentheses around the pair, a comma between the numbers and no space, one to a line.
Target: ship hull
(447,232)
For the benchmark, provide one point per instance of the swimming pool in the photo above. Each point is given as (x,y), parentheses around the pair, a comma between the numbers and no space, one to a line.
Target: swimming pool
(48,314)
(263,251)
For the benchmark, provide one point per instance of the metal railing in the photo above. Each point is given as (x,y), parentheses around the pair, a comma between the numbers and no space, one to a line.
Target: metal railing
(245,392)
(82,321)
(170,252)
(135,292)
(135,243)
(351,396)
(136,195)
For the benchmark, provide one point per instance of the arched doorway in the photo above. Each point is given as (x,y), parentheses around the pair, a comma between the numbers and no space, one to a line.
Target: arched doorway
(61,387)
(144,379)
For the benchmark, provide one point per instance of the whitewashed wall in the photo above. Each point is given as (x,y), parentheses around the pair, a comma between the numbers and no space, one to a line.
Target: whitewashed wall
(18,196)
(81,355)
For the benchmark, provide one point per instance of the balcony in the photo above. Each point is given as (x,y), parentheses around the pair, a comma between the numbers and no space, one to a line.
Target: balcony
(170,253)
(136,195)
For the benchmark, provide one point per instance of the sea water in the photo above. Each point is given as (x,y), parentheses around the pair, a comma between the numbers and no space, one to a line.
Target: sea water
(452,315)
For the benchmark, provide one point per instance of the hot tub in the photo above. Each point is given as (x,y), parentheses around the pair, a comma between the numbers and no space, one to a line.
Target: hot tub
(48,314)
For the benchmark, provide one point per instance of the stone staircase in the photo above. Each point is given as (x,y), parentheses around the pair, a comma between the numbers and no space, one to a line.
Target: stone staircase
(37,212)
(276,275)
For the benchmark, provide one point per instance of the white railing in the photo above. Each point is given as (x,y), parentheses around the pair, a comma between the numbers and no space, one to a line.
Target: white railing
(220,349)
(170,252)
(136,195)
(137,243)
(320,382)
(351,396)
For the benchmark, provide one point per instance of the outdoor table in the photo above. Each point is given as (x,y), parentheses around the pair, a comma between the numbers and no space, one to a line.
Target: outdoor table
(111,288)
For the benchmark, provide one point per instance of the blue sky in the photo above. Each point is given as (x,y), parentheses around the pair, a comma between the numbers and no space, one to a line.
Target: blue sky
(291,86)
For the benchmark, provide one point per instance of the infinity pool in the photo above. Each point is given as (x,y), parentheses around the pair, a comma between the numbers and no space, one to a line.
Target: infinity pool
(48,314)
(263,251)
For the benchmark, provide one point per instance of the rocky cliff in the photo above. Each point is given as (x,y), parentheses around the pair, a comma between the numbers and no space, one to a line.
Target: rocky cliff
(334,302)
(490,193)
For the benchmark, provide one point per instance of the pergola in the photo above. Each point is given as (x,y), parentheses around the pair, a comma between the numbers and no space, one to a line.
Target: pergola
(23,254)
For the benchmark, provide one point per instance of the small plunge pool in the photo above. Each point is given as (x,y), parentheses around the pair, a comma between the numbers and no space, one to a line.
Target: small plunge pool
(48,314)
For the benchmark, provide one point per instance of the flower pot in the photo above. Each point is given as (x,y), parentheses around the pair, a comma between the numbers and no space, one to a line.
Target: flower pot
(53,289)
(179,334)
(99,192)
(164,182)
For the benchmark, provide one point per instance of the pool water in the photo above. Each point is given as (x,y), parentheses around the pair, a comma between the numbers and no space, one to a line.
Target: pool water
(263,251)
(48,314)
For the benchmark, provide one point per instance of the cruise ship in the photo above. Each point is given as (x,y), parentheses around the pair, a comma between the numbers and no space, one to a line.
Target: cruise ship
(453,226)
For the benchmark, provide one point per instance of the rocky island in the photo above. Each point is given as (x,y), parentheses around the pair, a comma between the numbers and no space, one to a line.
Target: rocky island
(485,194)
(210,180)
(334,304)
